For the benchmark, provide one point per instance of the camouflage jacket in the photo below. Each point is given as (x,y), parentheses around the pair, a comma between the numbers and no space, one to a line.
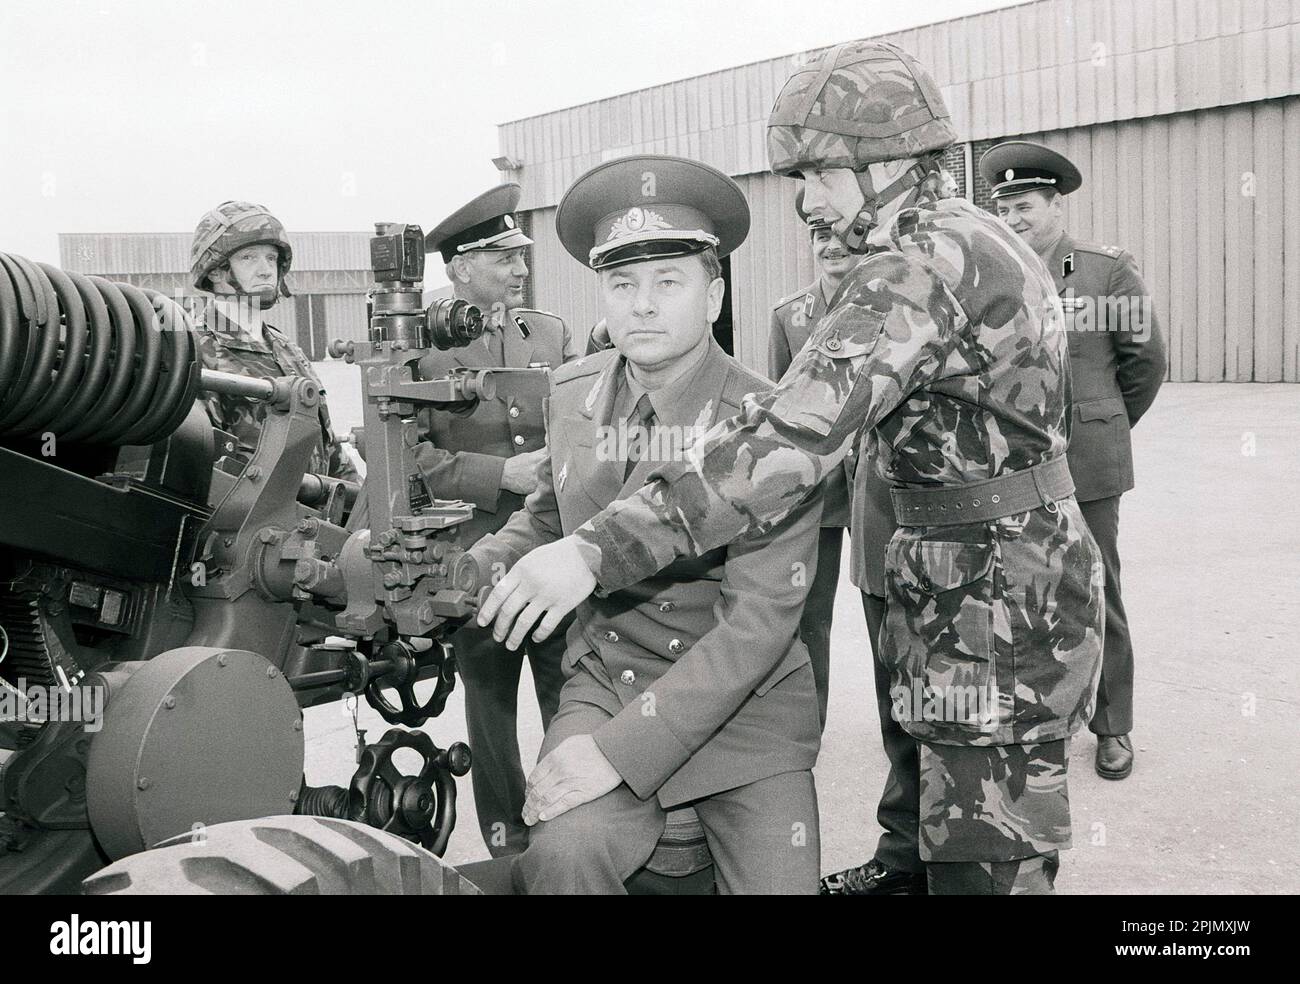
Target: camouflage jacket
(229,347)
(946,356)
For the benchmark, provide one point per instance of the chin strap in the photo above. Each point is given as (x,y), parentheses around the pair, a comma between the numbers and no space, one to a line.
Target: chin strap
(855,239)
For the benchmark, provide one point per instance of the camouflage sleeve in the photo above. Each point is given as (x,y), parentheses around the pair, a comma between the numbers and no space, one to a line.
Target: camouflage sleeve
(1140,355)
(212,402)
(778,348)
(891,331)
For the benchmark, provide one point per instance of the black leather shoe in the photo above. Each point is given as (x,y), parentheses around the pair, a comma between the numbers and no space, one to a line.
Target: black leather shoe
(1114,756)
(873,878)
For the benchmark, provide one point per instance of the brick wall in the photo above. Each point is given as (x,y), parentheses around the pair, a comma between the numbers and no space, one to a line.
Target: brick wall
(982,189)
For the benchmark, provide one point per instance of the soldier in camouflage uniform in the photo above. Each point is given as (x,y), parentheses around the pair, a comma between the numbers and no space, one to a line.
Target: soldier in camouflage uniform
(944,356)
(240,255)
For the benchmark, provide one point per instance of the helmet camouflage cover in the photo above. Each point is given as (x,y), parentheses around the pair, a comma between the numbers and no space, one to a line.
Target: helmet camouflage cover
(854,105)
(226,230)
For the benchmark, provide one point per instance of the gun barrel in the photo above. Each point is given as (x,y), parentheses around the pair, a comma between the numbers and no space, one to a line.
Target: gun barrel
(234,384)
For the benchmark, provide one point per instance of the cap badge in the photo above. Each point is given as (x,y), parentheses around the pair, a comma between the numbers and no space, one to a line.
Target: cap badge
(1010,174)
(636,220)
(508,220)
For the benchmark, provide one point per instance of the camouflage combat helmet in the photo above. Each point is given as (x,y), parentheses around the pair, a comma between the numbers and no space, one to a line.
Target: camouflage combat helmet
(858,104)
(854,105)
(226,230)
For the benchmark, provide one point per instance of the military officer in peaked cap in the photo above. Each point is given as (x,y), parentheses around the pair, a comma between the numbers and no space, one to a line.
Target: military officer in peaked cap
(490,458)
(1117,363)
(690,686)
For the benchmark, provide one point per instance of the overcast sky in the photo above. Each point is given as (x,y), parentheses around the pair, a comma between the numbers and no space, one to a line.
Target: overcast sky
(139,116)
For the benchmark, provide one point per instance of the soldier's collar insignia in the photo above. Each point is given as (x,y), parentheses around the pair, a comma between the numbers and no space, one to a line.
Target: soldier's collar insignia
(635,220)
(1067,264)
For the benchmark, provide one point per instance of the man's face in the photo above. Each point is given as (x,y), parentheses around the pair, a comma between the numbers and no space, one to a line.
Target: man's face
(831,256)
(834,194)
(660,309)
(495,277)
(254,268)
(1038,221)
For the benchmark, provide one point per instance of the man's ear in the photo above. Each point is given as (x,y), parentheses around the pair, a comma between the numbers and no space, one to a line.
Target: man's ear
(460,268)
(717,289)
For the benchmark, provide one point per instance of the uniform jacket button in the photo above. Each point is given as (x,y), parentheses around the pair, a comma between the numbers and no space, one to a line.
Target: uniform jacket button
(666,606)
(628,677)
(519,440)
(677,647)
(611,636)
(515,411)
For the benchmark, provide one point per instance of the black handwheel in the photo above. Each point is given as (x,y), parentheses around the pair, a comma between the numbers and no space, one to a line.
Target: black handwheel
(420,807)
(402,677)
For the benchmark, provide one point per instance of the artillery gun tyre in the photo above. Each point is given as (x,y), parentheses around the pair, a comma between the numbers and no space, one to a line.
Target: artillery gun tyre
(285,855)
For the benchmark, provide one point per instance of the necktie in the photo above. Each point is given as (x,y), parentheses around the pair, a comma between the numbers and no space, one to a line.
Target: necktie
(639,423)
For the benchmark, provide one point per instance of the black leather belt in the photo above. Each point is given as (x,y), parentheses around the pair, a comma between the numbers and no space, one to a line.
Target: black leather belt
(979,502)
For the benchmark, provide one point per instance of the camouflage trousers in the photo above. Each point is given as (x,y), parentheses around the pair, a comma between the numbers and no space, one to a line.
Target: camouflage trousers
(1032,876)
(1005,803)
(993,635)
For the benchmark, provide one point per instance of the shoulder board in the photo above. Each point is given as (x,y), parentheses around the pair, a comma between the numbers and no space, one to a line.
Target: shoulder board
(588,365)
(1114,252)
(798,295)
(741,382)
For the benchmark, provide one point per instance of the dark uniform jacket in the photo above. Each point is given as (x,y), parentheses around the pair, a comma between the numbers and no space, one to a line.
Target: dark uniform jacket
(714,690)
(1114,373)
(466,453)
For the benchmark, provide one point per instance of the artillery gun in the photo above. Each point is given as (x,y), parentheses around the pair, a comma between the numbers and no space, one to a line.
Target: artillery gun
(196,599)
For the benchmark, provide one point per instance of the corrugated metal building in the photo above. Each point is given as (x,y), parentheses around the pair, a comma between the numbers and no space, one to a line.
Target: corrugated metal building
(1179,114)
(329,278)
